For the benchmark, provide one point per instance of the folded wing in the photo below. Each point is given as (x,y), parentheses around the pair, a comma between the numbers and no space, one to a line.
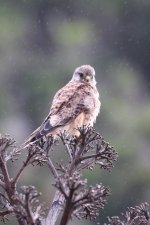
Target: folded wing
(67,104)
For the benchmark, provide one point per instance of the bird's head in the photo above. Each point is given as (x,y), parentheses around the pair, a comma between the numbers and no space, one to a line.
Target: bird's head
(85,73)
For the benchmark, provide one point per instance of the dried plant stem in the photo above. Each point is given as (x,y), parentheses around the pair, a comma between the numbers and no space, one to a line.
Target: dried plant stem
(9,188)
(76,159)
(87,164)
(52,168)
(57,201)
(55,209)
(19,173)
(4,213)
(74,197)
(67,211)
(2,184)
(5,173)
(69,151)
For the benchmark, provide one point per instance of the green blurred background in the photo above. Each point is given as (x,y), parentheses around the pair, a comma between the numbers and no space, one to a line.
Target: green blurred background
(42,42)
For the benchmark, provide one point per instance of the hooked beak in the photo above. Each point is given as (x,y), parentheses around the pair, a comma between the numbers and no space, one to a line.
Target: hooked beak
(87,78)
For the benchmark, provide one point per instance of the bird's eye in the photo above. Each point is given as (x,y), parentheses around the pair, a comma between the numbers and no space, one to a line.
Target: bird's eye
(81,75)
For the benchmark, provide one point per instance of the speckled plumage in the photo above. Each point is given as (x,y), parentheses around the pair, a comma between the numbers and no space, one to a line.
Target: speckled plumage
(74,105)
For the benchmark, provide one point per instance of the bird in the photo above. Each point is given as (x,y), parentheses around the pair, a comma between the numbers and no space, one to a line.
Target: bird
(75,105)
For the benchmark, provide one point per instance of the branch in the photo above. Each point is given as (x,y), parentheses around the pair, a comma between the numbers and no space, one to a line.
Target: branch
(2,184)
(18,203)
(52,168)
(4,213)
(55,209)
(15,180)
(5,174)
(36,155)
(137,215)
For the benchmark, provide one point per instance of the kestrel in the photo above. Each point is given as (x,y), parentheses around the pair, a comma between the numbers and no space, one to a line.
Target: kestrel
(74,105)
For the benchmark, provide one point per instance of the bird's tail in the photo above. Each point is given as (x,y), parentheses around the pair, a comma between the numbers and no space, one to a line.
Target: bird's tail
(32,138)
(41,131)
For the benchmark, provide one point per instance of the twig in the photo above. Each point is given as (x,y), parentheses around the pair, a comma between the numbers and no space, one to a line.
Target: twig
(9,189)
(5,174)
(68,150)
(52,168)
(29,211)
(76,159)
(2,184)
(15,180)
(4,213)
(64,140)
(86,165)
(88,157)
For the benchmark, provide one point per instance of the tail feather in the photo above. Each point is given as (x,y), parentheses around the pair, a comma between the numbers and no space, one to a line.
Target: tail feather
(41,131)
(33,137)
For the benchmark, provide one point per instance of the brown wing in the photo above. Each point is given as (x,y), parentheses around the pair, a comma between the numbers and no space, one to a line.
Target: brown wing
(67,104)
